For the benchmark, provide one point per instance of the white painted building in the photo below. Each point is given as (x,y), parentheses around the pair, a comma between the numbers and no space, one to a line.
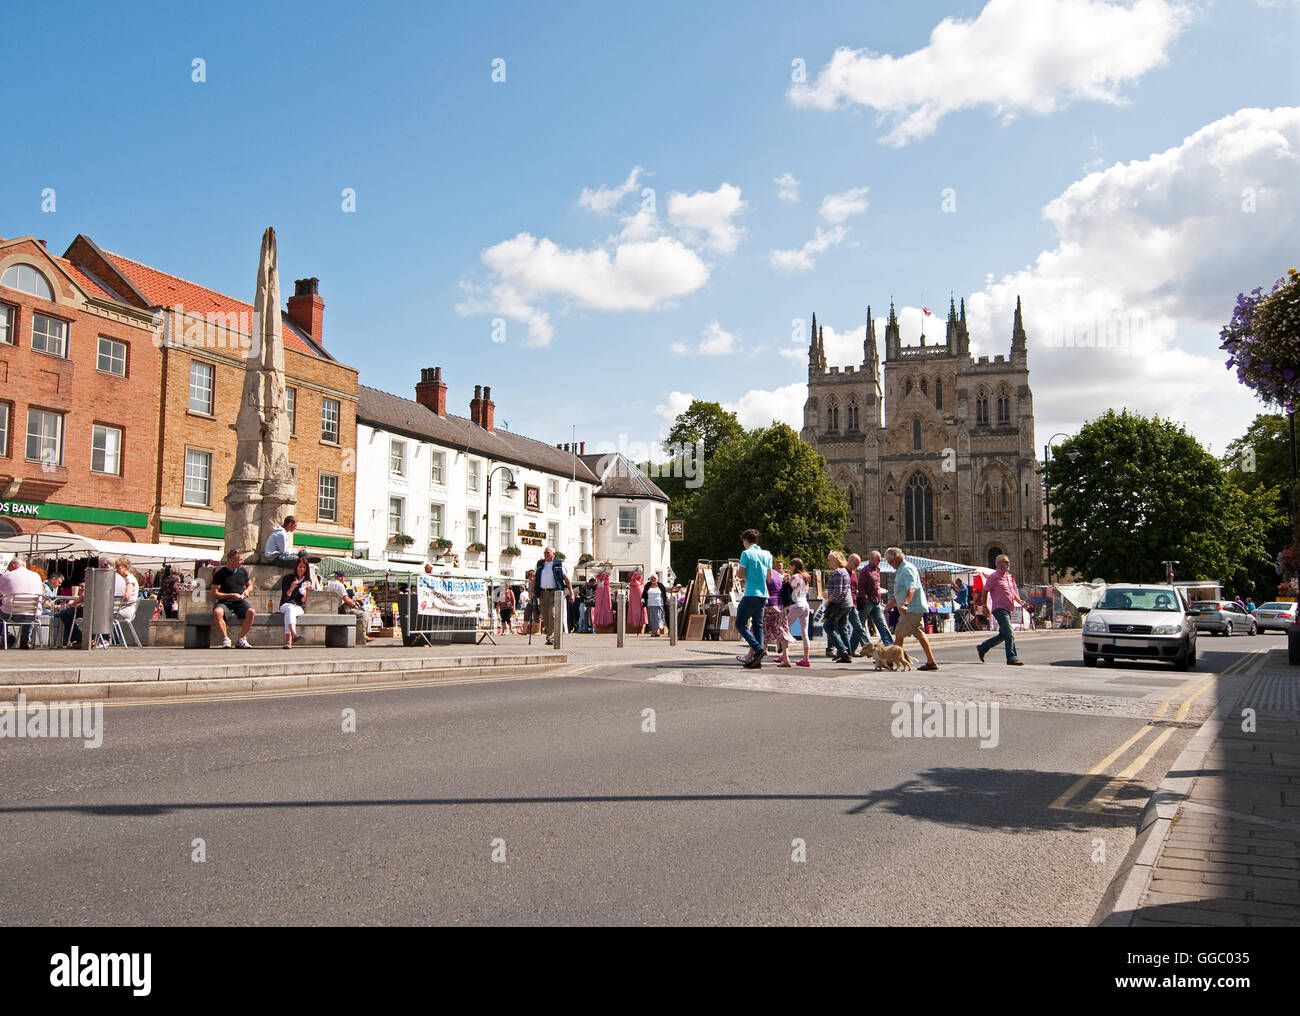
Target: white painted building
(428,475)
(631,519)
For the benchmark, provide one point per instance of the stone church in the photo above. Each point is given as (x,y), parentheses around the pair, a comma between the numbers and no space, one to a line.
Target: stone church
(940,459)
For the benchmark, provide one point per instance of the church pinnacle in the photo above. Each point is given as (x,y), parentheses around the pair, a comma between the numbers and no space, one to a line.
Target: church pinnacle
(1018,337)
(816,350)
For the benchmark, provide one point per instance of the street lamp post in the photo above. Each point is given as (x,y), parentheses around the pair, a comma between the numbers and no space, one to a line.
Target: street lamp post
(511,487)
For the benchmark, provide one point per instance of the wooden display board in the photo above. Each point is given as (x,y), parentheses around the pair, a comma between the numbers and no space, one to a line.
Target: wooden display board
(695,628)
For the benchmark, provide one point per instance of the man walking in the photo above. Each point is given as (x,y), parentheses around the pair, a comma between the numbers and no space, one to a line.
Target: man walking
(755,563)
(1003,596)
(857,633)
(869,594)
(910,596)
(550,582)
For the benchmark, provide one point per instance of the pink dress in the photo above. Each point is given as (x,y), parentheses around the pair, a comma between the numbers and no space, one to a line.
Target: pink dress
(635,611)
(603,615)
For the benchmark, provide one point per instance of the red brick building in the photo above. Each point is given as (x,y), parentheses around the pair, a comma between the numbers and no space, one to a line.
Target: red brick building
(196,340)
(79,381)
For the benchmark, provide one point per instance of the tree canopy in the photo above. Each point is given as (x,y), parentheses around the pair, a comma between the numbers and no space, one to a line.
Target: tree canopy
(1143,490)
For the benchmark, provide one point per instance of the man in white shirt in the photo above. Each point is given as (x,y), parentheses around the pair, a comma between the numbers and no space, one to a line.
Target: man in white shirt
(550,580)
(19,580)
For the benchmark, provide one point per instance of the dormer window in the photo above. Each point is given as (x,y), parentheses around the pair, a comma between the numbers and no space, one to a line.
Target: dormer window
(27,279)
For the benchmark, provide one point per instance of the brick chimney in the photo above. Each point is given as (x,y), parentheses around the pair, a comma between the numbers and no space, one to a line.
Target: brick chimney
(307,309)
(487,411)
(476,406)
(431,392)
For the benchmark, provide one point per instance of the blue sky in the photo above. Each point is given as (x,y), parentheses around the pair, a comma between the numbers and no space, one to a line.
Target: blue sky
(468,190)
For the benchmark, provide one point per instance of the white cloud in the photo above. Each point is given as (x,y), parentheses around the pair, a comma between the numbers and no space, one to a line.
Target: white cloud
(758,407)
(641,226)
(1015,56)
(673,406)
(804,259)
(714,341)
(1152,253)
(787,188)
(527,272)
(711,213)
(603,200)
(838,208)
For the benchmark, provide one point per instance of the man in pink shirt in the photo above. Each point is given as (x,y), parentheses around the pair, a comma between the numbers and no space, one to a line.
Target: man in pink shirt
(1002,598)
(19,580)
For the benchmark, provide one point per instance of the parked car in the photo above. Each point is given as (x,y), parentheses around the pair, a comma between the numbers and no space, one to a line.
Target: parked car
(1140,622)
(1222,617)
(1275,616)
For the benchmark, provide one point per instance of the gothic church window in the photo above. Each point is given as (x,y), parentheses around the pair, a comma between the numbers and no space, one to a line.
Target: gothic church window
(925,385)
(853,413)
(938,394)
(907,387)
(916,435)
(1004,408)
(981,408)
(918,510)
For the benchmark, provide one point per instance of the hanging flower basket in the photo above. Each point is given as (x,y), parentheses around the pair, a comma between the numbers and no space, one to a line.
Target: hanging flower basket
(511,551)
(1263,341)
(442,544)
(401,540)
(476,548)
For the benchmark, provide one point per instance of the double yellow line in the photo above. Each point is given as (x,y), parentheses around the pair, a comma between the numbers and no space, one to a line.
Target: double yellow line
(1105,794)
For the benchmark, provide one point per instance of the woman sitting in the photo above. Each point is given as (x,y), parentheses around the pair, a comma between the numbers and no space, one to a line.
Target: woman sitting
(294,588)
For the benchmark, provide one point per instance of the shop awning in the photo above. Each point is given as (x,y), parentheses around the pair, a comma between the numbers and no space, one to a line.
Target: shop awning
(931,564)
(142,555)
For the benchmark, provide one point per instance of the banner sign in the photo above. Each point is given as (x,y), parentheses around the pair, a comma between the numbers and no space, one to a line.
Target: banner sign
(530,537)
(452,595)
(676,529)
(532,497)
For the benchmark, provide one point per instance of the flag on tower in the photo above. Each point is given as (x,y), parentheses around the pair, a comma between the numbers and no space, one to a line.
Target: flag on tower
(927,312)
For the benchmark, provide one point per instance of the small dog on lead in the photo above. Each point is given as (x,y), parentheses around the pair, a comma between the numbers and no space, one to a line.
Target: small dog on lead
(890,657)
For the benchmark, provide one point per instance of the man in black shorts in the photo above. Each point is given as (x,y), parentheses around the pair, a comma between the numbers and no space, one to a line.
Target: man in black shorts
(230,588)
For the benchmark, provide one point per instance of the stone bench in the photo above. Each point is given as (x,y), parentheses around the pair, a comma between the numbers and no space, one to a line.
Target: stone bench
(340,630)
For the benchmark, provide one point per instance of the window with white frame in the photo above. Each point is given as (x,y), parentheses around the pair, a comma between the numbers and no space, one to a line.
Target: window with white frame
(111,358)
(201,381)
(473,475)
(7,324)
(660,529)
(396,516)
(198,477)
(553,535)
(327,498)
(507,531)
(396,457)
(329,420)
(438,468)
(582,499)
(6,412)
(49,335)
(584,541)
(553,493)
(471,527)
(627,520)
(291,408)
(106,449)
(435,522)
(45,436)
(27,279)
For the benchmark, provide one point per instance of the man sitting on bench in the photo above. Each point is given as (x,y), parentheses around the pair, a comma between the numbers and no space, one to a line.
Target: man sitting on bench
(230,588)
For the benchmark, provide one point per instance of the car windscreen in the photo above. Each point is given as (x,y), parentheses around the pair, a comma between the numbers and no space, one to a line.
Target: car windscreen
(1118,598)
(1276,606)
(1205,605)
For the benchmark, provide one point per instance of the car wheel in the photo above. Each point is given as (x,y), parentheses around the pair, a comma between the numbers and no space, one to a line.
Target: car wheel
(1089,660)
(1181,661)
(1227,630)
(1254,628)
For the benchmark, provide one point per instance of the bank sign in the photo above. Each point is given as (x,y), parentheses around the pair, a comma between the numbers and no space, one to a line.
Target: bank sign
(20,509)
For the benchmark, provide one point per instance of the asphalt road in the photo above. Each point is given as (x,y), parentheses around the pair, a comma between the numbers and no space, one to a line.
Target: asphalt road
(786,799)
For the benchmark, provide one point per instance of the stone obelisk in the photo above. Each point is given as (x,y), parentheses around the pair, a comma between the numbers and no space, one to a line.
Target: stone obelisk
(262,489)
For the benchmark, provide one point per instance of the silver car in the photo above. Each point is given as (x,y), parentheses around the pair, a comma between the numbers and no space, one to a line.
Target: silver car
(1222,617)
(1140,622)
(1275,616)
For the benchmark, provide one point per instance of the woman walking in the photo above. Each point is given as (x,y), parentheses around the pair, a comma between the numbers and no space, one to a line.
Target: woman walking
(776,628)
(294,588)
(798,608)
(506,608)
(839,601)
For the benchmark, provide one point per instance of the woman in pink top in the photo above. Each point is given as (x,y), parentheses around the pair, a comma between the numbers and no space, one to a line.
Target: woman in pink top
(1002,597)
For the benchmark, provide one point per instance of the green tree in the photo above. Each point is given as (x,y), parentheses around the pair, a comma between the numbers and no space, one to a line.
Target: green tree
(771,481)
(705,422)
(1141,491)
(1259,464)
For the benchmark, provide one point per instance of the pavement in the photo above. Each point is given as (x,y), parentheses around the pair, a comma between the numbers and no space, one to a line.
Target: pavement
(1219,842)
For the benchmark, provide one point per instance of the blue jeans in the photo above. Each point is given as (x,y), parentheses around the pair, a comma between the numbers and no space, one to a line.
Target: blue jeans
(751,611)
(857,630)
(873,611)
(1003,618)
(838,631)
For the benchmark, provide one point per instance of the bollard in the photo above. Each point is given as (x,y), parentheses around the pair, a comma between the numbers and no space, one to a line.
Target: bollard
(557,618)
(621,619)
(672,622)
